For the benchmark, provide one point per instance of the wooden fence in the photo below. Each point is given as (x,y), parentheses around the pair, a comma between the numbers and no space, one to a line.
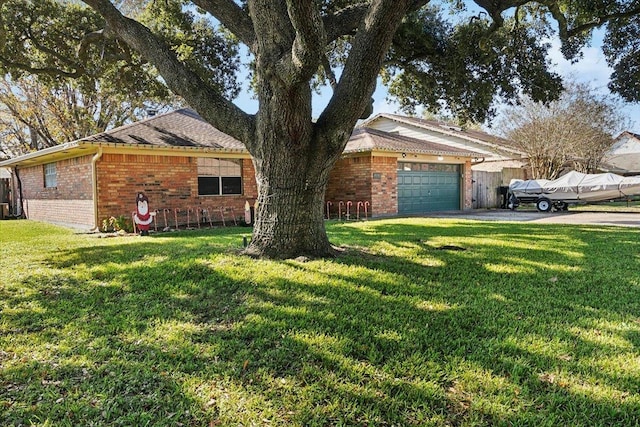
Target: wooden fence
(486,185)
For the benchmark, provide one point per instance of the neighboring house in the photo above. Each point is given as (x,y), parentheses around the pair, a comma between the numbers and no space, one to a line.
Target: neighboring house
(188,169)
(623,158)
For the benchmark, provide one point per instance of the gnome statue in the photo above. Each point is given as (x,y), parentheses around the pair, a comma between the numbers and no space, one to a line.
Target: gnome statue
(143,218)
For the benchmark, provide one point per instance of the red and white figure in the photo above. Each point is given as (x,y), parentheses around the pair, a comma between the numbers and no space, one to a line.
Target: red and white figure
(143,218)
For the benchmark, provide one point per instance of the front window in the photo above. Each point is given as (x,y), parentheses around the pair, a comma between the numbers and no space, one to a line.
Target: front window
(219,176)
(50,175)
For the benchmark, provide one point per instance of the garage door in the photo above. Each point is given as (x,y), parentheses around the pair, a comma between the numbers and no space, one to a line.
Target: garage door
(428,187)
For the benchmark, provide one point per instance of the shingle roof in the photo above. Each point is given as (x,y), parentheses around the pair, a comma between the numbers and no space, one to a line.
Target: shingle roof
(186,129)
(367,139)
(179,128)
(469,134)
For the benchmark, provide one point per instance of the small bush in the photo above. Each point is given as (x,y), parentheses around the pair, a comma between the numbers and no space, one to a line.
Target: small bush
(119,223)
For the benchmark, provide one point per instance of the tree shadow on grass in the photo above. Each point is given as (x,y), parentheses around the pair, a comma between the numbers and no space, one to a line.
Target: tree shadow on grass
(181,331)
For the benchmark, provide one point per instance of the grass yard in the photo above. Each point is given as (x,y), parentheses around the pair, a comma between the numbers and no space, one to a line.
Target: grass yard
(529,325)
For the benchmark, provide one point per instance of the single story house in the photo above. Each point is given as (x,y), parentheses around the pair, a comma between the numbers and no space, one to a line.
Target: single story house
(493,153)
(497,162)
(623,158)
(190,171)
(399,175)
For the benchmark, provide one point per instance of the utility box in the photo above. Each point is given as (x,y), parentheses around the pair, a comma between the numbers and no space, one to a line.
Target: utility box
(4,210)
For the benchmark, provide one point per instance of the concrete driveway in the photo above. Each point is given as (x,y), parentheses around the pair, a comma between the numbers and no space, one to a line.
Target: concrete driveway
(622,219)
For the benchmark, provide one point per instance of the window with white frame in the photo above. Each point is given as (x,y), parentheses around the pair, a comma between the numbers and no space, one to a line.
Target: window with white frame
(219,176)
(50,175)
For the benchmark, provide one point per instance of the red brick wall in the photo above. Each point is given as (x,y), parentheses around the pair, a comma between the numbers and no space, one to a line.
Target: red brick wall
(70,202)
(384,188)
(170,182)
(364,179)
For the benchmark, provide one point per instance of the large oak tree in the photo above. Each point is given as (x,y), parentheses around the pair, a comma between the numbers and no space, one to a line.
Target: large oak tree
(460,61)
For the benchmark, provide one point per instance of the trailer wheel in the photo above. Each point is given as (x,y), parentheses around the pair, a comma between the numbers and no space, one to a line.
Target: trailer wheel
(543,204)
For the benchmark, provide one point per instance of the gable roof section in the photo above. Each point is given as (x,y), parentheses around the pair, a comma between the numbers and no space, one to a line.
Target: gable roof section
(367,139)
(483,139)
(179,128)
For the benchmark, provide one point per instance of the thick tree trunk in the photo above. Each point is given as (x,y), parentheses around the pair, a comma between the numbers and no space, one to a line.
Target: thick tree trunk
(292,155)
(290,220)
(292,170)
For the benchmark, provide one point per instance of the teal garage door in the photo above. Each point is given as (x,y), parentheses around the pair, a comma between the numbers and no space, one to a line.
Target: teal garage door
(428,187)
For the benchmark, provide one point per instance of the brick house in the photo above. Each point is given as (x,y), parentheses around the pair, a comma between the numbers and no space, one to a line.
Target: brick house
(497,161)
(493,153)
(399,175)
(190,170)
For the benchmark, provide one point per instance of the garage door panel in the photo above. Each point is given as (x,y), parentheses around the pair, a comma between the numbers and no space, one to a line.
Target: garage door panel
(423,189)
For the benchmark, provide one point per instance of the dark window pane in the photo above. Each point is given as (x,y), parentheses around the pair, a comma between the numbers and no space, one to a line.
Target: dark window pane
(231,185)
(208,185)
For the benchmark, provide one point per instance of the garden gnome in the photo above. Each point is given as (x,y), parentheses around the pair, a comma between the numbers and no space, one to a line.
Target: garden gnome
(143,218)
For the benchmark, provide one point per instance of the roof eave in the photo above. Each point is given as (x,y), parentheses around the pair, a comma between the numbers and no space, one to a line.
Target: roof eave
(151,147)
(469,154)
(26,158)
(41,155)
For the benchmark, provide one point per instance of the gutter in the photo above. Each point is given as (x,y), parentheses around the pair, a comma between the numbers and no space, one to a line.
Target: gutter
(94,184)
(39,153)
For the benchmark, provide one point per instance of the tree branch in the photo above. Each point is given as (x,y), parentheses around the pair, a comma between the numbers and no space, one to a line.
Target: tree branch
(370,46)
(601,20)
(87,40)
(49,71)
(308,47)
(54,54)
(566,32)
(208,101)
(347,20)
(344,21)
(232,17)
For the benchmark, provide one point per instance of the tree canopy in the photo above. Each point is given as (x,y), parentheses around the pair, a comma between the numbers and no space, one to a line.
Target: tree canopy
(453,54)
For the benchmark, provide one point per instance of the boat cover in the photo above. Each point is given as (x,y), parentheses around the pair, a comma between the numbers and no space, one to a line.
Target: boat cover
(578,186)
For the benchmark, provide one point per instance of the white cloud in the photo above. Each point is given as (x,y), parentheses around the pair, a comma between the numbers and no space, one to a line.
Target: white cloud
(591,68)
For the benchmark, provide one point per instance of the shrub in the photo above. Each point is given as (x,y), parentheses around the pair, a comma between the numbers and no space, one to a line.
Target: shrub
(119,223)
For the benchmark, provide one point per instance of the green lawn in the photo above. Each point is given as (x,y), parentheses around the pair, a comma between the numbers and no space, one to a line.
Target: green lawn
(529,325)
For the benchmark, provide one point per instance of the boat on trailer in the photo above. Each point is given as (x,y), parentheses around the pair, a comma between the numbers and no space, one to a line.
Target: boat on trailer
(571,188)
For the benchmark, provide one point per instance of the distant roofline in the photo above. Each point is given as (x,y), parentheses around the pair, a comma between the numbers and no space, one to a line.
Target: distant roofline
(421,123)
(627,132)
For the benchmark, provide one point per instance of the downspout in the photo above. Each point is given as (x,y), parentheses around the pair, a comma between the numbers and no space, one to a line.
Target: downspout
(94,183)
(477,162)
